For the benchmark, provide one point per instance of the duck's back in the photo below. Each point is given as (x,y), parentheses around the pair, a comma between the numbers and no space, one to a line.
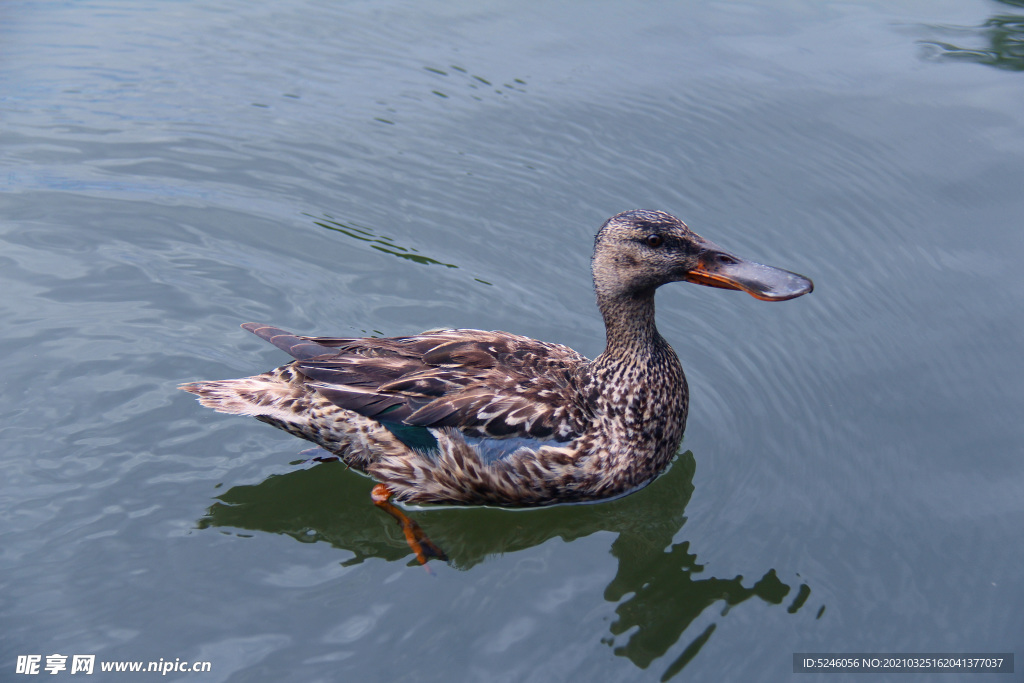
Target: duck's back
(485,384)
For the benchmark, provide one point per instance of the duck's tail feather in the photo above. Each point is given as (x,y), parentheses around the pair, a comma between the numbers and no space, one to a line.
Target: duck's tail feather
(268,395)
(281,399)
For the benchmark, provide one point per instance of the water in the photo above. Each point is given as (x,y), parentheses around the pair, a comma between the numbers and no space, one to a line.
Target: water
(850,480)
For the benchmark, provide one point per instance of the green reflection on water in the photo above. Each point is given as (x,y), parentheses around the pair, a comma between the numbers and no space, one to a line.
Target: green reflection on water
(659,587)
(1003,38)
(379,242)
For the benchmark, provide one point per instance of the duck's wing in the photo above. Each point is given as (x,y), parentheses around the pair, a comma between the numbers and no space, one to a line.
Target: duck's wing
(486,384)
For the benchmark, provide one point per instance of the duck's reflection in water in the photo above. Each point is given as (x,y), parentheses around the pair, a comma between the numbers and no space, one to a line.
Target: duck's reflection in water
(659,586)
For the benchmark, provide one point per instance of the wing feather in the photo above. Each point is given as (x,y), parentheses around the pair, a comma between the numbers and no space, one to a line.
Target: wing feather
(486,384)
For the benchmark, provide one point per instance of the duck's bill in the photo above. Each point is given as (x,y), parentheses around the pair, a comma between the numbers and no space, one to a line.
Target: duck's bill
(719,268)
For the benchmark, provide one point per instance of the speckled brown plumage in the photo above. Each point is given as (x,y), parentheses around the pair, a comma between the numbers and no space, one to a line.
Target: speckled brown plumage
(510,420)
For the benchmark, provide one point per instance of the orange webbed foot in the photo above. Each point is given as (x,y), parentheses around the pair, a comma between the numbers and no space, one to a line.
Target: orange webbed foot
(421,545)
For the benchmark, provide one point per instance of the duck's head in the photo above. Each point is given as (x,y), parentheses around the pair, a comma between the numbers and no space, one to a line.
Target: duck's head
(636,252)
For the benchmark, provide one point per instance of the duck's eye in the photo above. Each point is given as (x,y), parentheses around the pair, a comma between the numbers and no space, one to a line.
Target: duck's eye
(654,241)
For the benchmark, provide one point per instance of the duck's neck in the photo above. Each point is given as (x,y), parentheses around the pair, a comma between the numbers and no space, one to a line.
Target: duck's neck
(632,337)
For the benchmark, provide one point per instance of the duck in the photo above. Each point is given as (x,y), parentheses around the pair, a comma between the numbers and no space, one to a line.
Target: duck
(474,417)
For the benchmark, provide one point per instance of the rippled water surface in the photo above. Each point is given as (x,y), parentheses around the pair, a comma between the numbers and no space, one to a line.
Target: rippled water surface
(851,479)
